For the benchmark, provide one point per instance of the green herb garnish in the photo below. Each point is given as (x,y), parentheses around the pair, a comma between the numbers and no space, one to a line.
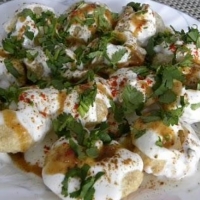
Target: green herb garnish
(86,190)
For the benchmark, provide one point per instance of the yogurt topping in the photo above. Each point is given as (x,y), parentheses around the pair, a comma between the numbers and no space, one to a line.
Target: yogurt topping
(116,167)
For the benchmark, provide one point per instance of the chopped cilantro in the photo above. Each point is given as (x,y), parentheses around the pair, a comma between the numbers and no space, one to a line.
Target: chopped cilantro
(198,86)
(137,133)
(86,190)
(11,68)
(31,55)
(102,23)
(168,97)
(66,125)
(132,98)
(87,78)
(136,6)
(87,99)
(100,131)
(31,76)
(150,47)
(170,117)
(89,21)
(78,149)
(141,71)
(13,46)
(26,12)
(117,56)
(29,34)
(165,77)
(118,111)
(57,59)
(186,61)
(151,118)
(195,106)
(192,35)
(10,94)
(159,142)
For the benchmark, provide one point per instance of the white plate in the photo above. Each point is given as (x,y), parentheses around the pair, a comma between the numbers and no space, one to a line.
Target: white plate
(16,185)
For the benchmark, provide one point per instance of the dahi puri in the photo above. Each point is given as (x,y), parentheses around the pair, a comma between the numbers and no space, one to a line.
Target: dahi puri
(16,25)
(171,151)
(122,170)
(31,118)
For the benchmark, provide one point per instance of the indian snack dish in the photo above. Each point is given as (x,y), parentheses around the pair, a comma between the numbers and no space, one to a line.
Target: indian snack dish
(119,92)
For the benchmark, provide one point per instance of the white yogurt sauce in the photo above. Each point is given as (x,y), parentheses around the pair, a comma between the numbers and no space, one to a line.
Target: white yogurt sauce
(181,158)
(109,186)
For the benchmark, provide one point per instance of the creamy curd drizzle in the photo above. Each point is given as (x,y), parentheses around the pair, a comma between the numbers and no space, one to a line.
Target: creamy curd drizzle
(93,100)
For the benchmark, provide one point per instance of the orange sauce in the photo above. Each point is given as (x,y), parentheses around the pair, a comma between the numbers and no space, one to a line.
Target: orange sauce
(22,164)
(12,122)
(61,99)
(60,159)
(3,54)
(160,128)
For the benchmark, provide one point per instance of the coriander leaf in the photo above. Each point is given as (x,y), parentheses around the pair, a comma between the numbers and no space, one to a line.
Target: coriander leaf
(64,124)
(57,57)
(168,97)
(171,73)
(10,67)
(81,140)
(74,172)
(150,47)
(168,117)
(198,42)
(165,77)
(132,99)
(92,152)
(31,55)
(161,89)
(151,118)
(100,132)
(95,54)
(172,117)
(198,86)
(102,23)
(87,98)
(79,150)
(88,77)
(141,71)
(90,194)
(89,21)
(60,84)
(8,46)
(183,101)
(137,133)
(187,61)
(31,76)
(26,12)
(195,106)
(136,6)
(29,34)
(159,142)
(10,94)
(118,111)
(117,56)
(86,190)
(193,35)
(13,46)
